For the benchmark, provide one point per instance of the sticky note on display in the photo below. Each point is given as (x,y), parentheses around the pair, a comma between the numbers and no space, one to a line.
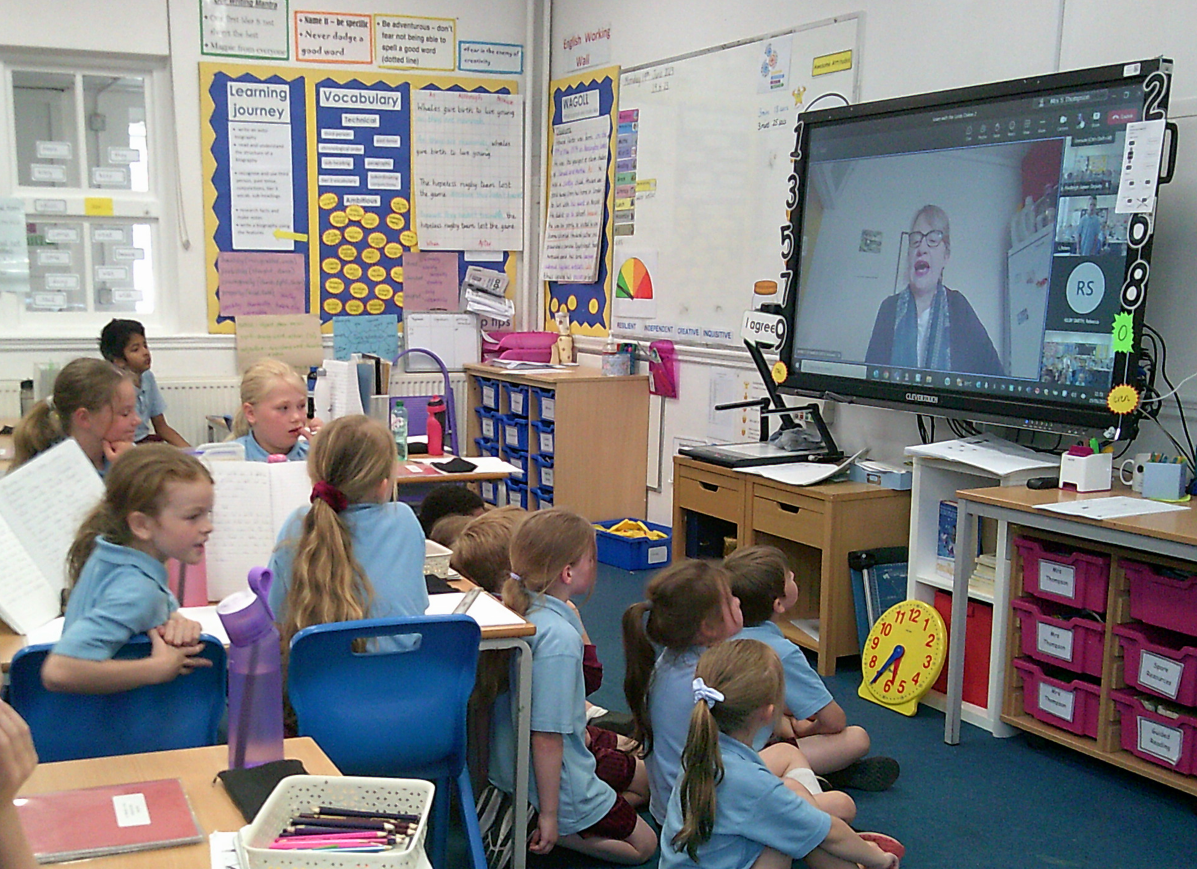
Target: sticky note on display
(293,338)
(378,335)
(261,283)
(430,281)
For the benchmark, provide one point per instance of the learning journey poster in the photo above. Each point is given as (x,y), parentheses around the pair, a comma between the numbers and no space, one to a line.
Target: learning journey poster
(308,193)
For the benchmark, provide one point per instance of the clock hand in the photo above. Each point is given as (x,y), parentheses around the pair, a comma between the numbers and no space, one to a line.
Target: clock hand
(895,655)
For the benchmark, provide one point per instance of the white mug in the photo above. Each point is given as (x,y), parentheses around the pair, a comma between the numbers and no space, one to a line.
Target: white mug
(1134,467)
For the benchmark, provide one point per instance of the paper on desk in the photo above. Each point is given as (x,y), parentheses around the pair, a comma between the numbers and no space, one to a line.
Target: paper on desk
(803,473)
(486,611)
(1111,508)
(485,464)
(223,848)
(987,452)
(210,623)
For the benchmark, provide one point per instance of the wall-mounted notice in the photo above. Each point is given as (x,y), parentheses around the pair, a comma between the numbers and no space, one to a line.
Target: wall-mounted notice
(577,193)
(260,164)
(333,38)
(369,334)
(496,57)
(414,42)
(430,281)
(582,48)
(293,338)
(237,28)
(468,163)
(262,283)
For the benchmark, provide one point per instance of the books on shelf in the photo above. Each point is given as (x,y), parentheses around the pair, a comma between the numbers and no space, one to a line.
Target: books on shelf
(112,819)
(42,504)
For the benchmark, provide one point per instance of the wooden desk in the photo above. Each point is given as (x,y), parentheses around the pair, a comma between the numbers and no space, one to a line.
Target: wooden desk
(407,477)
(816,526)
(1169,539)
(196,767)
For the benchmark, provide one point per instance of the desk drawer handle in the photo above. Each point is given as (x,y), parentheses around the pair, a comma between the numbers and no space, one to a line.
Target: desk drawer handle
(789,508)
(710,487)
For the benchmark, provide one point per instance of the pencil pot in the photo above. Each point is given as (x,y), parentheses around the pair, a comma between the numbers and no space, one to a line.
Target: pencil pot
(255,674)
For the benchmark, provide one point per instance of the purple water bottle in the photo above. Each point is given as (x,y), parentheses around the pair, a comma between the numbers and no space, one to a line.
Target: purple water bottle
(255,674)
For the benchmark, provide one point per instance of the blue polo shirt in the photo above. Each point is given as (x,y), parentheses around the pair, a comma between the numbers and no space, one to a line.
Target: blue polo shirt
(670,702)
(388,543)
(805,692)
(255,452)
(754,810)
(558,706)
(149,404)
(121,592)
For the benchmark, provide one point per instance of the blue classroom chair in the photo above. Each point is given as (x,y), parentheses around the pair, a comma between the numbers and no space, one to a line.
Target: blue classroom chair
(182,713)
(394,713)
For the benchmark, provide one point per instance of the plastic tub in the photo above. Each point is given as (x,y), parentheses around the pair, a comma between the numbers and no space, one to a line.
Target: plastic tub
(544,469)
(519,458)
(490,491)
(488,423)
(544,436)
(1154,737)
(490,393)
(518,400)
(517,493)
(543,497)
(487,447)
(546,403)
(1162,597)
(515,432)
(1068,576)
(1054,635)
(1071,706)
(1159,662)
(634,553)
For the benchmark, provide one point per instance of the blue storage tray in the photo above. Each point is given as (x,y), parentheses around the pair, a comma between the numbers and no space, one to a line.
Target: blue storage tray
(519,458)
(515,432)
(517,493)
(488,423)
(490,393)
(632,553)
(544,469)
(544,436)
(543,496)
(546,403)
(517,399)
(487,447)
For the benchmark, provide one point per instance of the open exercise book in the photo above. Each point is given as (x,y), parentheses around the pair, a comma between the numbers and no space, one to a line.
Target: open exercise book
(253,500)
(42,504)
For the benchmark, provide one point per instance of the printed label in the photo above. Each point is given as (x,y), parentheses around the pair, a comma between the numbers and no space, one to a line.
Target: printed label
(1057,578)
(53,257)
(50,206)
(100,233)
(511,436)
(1160,740)
(1056,701)
(62,282)
(112,273)
(658,554)
(61,235)
(1160,674)
(49,300)
(517,403)
(546,476)
(546,441)
(131,810)
(489,396)
(548,407)
(488,429)
(1054,641)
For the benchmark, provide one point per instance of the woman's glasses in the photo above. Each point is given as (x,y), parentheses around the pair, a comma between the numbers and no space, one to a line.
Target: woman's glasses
(934,238)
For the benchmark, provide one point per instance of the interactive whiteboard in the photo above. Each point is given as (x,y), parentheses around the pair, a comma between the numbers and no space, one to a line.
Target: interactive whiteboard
(701,172)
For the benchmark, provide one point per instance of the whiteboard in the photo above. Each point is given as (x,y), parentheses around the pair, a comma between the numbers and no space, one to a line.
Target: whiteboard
(706,140)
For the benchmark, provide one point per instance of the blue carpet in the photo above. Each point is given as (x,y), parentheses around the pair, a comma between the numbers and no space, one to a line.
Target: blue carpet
(983,804)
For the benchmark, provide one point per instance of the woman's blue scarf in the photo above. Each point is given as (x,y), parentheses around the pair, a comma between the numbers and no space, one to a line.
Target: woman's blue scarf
(938,352)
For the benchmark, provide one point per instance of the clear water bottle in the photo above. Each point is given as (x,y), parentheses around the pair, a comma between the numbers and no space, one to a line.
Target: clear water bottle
(255,674)
(399,429)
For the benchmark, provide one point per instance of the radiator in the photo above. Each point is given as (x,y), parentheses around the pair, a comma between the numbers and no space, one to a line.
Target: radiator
(188,403)
(10,399)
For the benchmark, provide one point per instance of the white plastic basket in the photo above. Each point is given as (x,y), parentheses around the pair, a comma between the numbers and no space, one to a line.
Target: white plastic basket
(436,558)
(300,793)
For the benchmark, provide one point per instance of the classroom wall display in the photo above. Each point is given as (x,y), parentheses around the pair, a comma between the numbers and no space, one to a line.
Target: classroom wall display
(579,105)
(308,177)
(250,30)
(704,143)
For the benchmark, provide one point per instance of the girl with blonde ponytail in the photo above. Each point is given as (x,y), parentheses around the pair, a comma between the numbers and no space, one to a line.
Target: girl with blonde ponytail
(353,554)
(729,809)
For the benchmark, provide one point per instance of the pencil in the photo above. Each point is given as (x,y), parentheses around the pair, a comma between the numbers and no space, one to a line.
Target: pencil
(358,813)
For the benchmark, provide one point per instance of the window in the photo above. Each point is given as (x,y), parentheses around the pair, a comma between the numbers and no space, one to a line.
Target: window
(81,158)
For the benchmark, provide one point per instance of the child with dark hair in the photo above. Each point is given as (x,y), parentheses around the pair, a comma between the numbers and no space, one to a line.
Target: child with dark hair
(813,721)
(123,343)
(446,500)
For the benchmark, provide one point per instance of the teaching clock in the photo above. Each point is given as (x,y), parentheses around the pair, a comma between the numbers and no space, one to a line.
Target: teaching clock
(903,656)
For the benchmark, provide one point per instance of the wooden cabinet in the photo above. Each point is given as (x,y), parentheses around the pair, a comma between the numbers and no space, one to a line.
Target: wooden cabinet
(599,440)
(816,526)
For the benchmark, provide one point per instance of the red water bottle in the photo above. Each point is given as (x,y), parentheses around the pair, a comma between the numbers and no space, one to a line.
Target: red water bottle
(436,426)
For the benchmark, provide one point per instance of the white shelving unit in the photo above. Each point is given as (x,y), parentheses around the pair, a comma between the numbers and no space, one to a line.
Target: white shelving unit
(937,480)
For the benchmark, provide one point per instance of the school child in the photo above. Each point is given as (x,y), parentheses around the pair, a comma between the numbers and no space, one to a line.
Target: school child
(157,505)
(352,554)
(449,499)
(481,551)
(273,417)
(18,759)
(94,403)
(730,810)
(583,805)
(689,608)
(765,585)
(122,342)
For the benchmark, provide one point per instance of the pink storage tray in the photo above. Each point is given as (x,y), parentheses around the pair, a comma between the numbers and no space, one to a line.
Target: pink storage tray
(1164,598)
(1079,579)
(1071,706)
(1170,742)
(1159,662)
(1051,636)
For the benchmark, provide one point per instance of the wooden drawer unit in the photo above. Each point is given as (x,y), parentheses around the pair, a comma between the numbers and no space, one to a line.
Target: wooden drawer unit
(790,516)
(711,494)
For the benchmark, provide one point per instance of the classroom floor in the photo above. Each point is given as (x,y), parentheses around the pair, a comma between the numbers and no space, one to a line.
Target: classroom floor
(983,804)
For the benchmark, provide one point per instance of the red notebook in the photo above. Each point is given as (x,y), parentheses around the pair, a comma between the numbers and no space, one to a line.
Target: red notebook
(113,819)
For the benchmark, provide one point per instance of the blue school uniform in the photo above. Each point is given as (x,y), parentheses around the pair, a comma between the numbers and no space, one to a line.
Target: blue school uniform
(121,592)
(149,404)
(558,706)
(805,692)
(388,543)
(254,452)
(670,702)
(753,810)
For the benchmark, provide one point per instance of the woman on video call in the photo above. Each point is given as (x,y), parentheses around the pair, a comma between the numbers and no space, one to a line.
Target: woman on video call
(927,325)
